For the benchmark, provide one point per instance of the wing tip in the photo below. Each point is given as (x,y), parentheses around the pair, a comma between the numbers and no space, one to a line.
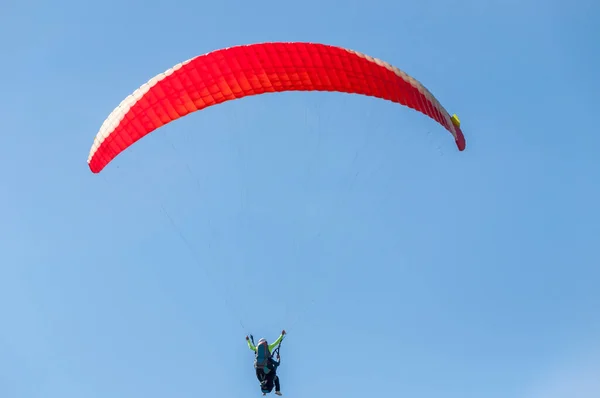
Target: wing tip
(94,166)
(460,137)
(461,142)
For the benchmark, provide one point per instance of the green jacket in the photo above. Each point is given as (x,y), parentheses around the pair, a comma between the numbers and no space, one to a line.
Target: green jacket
(271,346)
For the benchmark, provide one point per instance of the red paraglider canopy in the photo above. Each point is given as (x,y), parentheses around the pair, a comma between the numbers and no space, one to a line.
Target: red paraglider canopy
(240,71)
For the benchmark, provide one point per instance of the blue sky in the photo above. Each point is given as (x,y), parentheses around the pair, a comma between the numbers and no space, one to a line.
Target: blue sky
(398,265)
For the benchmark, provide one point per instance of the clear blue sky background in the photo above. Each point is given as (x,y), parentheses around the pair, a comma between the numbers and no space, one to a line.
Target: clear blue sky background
(399,266)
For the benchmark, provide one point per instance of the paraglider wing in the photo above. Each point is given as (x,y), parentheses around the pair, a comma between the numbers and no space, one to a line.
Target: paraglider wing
(240,71)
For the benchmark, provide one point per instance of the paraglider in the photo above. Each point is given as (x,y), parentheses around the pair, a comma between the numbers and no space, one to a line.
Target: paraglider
(264,364)
(245,70)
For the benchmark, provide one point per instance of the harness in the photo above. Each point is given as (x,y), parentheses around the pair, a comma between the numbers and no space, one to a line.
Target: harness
(267,361)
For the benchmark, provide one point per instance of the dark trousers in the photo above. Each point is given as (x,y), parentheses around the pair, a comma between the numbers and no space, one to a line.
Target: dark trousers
(267,380)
